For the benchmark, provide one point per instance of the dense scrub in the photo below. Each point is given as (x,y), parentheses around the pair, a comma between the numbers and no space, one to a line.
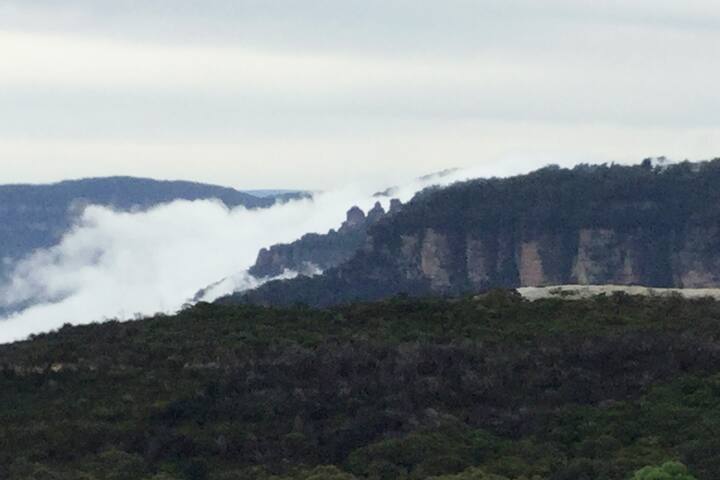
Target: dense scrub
(488,388)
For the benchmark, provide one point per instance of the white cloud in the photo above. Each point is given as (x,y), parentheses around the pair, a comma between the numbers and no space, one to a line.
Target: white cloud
(120,264)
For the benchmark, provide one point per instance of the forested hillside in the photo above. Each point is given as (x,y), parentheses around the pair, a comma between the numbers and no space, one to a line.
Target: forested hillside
(604,224)
(489,388)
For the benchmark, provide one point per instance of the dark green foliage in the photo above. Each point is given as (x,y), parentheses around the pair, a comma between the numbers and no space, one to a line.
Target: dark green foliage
(487,388)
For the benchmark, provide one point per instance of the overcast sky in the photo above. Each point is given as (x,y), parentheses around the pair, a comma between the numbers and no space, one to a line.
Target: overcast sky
(307,94)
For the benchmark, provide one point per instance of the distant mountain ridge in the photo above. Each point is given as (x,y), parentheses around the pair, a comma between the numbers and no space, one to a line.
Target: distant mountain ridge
(36,216)
(626,225)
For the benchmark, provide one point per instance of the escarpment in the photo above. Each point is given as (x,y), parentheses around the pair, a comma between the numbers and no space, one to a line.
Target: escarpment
(623,225)
(590,256)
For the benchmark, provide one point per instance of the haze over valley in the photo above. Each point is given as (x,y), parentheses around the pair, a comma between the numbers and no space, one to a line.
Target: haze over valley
(128,256)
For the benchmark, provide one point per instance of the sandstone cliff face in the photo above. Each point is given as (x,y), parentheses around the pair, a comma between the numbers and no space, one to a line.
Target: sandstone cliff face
(696,264)
(478,263)
(596,256)
(530,264)
(605,257)
(426,256)
(408,262)
(435,259)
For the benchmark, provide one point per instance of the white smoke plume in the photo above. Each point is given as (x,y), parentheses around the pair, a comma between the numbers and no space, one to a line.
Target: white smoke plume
(123,265)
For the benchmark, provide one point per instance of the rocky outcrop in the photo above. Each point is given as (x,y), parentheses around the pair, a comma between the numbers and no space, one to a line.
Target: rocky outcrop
(376,213)
(315,253)
(355,218)
(395,206)
(311,254)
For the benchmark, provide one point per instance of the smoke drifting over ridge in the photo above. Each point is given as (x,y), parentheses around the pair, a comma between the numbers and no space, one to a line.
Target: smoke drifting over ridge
(122,265)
